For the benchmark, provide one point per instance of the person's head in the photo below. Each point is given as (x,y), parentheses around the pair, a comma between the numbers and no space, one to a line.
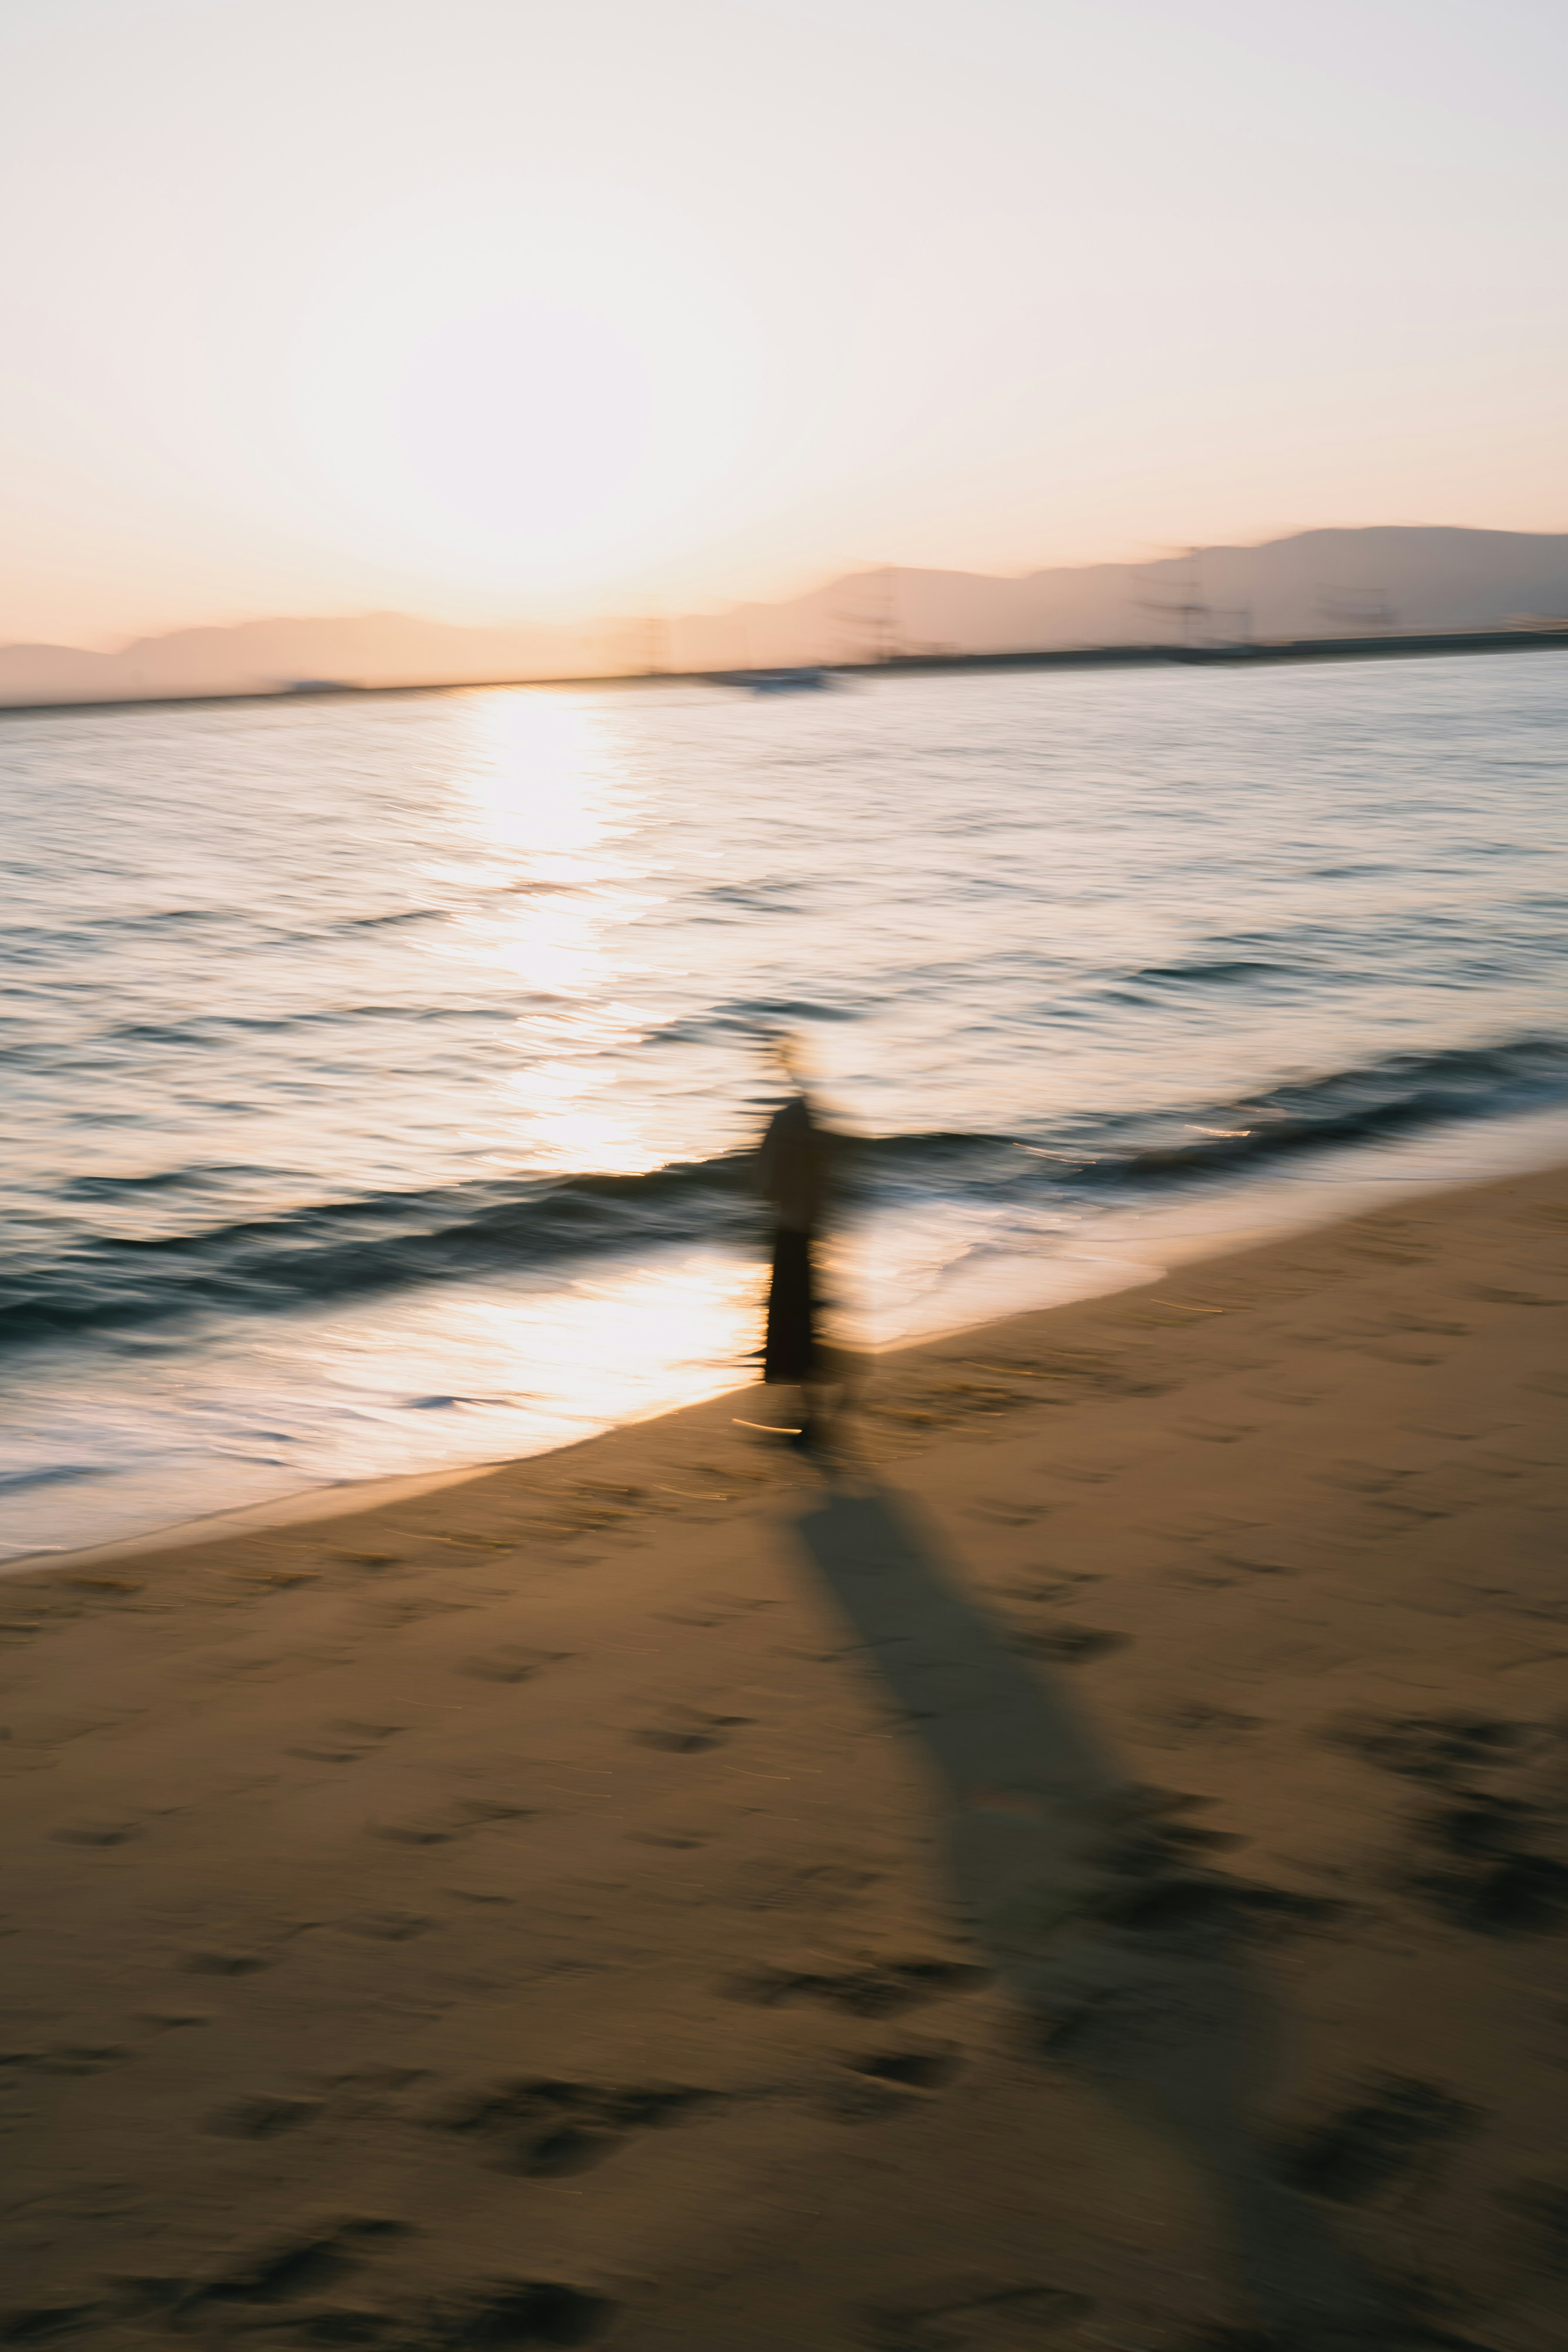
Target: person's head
(790,1053)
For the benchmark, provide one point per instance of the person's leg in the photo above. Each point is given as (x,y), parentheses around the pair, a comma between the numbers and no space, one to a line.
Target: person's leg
(787,1352)
(821,1373)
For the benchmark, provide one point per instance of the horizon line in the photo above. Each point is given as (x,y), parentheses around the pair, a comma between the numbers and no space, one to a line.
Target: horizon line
(657,611)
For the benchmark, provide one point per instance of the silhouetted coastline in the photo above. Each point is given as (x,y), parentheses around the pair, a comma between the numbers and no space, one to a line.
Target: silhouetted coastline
(1242,653)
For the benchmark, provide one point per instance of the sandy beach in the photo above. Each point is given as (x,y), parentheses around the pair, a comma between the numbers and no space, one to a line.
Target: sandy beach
(1088,1870)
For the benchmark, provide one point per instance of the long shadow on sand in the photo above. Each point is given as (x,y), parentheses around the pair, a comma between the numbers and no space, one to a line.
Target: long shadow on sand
(1134,1963)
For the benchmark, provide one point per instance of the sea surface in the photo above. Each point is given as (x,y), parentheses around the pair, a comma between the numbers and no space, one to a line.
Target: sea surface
(379,1074)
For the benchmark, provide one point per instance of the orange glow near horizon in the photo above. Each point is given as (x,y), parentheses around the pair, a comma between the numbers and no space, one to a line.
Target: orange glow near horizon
(502,313)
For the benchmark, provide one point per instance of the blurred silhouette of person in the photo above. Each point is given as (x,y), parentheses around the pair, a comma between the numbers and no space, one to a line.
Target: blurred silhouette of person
(794,1175)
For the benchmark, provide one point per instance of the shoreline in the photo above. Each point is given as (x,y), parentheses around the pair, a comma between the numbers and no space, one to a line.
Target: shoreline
(1187,1251)
(1136,1247)
(1136,1772)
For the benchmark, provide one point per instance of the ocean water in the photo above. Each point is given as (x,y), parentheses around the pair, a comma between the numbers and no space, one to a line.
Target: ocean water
(379,1075)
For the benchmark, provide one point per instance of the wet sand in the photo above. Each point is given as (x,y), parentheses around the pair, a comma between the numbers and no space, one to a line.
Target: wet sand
(1090,1870)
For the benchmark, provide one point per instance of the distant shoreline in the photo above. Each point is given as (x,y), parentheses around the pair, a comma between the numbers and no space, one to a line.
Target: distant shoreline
(1241,654)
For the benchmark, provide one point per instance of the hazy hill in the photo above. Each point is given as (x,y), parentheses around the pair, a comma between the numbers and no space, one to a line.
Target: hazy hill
(1315,584)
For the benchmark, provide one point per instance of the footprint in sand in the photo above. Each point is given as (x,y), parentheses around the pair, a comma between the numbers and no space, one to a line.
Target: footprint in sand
(1200,1718)
(861,2100)
(35,2321)
(1478,1871)
(688,1731)
(548,2130)
(390,1927)
(1051,1584)
(262,2118)
(1396,2125)
(1475,1858)
(302,2265)
(973,2316)
(511,1662)
(879,1989)
(913,2070)
(346,1742)
(1071,1645)
(81,2058)
(1438,1747)
(518,2311)
(1544,2204)
(454,1820)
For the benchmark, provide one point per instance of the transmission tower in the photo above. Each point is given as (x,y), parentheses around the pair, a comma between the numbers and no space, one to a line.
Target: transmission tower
(1189,602)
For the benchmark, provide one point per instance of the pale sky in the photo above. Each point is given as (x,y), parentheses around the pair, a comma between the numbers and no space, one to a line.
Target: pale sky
(509,308)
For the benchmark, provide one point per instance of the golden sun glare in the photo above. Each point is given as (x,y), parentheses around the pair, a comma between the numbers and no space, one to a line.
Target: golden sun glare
(550,811)
(522,383)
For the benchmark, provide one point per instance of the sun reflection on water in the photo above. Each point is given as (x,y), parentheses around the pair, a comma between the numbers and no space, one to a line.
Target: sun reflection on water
(551,805)
(543,781)
(552,818)
(646,1338)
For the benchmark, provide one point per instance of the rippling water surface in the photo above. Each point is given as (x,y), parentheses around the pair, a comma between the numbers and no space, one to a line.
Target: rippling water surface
(378,1072)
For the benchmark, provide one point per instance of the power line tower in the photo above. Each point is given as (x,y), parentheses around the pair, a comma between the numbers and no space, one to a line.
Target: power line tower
(1194,614)
(876,635)
(887,632)
(655,657)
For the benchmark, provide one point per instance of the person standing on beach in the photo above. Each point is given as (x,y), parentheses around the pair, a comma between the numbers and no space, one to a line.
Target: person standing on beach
(794,1176)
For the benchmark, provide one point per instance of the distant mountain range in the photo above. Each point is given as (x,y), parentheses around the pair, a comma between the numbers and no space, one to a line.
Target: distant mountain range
(1316,584)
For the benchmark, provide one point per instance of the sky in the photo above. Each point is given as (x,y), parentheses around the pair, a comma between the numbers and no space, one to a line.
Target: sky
(496,309)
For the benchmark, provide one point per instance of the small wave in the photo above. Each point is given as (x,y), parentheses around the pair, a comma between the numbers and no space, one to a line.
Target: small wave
(333,1250)
(1393,1096)
(789,1008)
(57,1474)
(750,1017)
(1219,974)
(762,898)
(88,927)
(117,1188)
(212,1027)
